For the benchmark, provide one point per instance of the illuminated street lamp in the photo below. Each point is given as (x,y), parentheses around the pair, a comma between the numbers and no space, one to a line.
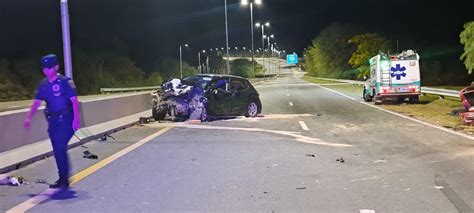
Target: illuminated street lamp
(246,2)
(181,59)
(267,24)
(199,60)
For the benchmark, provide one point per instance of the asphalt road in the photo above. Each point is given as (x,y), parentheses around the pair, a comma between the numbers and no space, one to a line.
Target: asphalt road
(289,159)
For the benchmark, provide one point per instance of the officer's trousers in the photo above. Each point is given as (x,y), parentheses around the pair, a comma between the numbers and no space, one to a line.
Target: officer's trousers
(60,132)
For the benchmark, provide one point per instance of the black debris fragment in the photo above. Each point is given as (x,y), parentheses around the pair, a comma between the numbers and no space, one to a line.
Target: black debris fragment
(341,159)
(144,120)
(105,136)
(300,188)
(41,181)
(89,155)
(310,155)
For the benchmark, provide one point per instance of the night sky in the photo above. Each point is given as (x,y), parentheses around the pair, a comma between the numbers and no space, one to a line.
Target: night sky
(153,29)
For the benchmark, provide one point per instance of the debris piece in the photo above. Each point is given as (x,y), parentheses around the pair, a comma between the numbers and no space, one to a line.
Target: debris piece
(341,160)
(84,146)
(310,155)
(105,136)
(265,192)
(144,120)
(89,155)
(14,181)
(439,187)
(41,181)
(194,121)
(366,211)
(300,188)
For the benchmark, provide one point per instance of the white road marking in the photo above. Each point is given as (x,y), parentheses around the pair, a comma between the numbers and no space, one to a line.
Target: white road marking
(364,179)
(296,135)
(291,103)
(303,125)
(403,116)
(366,211)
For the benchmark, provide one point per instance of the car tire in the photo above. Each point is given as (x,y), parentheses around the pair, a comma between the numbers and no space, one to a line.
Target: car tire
(413,100)
(457,111)
(159,112)
(367,97)
(252,109)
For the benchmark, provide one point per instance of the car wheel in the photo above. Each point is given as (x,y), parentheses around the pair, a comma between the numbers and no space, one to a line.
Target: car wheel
(252,109)
(413,100)
(159,112)
(367,97)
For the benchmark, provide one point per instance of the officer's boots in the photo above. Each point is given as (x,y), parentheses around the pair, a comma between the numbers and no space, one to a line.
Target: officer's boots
(62,183)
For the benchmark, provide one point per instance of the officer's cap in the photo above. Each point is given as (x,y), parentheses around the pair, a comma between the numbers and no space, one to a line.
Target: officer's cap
(49,61)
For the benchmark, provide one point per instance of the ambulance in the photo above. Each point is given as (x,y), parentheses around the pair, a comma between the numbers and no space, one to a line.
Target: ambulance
(395,77)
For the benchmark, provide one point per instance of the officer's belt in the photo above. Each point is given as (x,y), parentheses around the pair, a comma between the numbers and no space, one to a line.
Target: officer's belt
(59,112)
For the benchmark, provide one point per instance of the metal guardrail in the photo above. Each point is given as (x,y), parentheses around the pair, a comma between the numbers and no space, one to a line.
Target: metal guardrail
(425,90)
(128,89)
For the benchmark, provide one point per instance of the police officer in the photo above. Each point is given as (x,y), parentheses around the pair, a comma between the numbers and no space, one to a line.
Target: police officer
(62,114)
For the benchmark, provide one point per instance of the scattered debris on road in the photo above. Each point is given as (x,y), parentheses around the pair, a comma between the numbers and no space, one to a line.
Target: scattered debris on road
(13,181)
(89,155)
(366,211)
(439,187)
(310,155)
(144,120)
(105,136)
(300,188)
(41,181)
(341,159)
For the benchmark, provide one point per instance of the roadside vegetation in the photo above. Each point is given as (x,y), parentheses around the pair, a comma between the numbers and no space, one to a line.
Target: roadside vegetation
(343,50)
(430,108)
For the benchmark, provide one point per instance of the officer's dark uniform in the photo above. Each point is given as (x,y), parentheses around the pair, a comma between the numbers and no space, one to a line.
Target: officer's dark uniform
(59,114)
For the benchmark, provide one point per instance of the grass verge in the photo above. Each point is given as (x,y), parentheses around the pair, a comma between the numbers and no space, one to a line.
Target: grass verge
(430,109)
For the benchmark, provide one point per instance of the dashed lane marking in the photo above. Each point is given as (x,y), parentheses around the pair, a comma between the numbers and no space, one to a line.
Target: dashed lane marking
(303,125)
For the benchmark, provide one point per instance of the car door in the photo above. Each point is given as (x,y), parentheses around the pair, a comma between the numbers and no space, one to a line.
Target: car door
(219,97)
(240,95)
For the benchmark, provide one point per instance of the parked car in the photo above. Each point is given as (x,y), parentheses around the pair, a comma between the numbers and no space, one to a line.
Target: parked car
(206,95)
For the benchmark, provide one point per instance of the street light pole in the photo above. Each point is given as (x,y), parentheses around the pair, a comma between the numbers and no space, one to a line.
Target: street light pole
(66,38)
(199,62)
(253,49)
(245,2)
(181,59)
(227,38)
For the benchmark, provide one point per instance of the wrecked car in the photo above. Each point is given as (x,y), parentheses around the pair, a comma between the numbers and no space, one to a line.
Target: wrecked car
(467,99)
(205,96)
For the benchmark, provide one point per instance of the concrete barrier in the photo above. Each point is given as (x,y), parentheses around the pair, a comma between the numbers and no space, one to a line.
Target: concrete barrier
(97,116)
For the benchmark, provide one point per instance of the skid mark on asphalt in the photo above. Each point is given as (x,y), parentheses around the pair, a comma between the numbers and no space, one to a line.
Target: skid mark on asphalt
(296,135)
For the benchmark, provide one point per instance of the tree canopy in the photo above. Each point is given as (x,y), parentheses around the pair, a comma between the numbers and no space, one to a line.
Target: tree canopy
(329,53)
(467,39)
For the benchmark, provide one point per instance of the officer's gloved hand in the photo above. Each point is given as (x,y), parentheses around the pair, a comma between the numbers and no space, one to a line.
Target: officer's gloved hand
(76,124)
(27,123)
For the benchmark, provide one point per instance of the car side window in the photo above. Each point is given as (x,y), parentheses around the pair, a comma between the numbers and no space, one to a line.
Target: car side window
(238,85)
